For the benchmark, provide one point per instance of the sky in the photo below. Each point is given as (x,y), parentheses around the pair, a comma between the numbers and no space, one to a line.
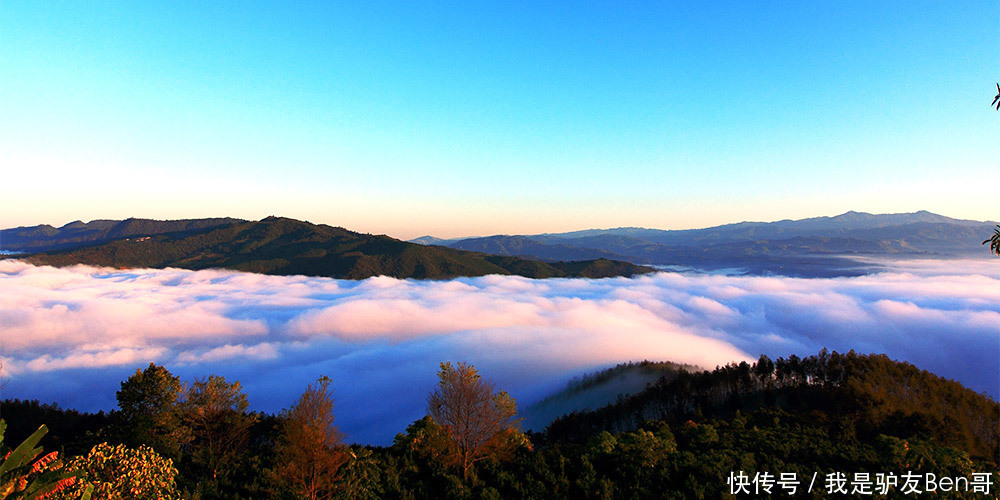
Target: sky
(476,118)
(72,335)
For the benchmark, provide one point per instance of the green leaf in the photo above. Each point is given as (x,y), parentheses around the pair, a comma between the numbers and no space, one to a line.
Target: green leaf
(24,453)
(87,492)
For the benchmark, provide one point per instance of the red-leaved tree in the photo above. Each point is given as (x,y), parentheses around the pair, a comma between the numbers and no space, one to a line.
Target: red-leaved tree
(309,450)
(479,420)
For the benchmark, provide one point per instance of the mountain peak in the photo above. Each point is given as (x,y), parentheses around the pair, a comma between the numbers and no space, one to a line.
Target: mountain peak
(71,225)
(852,215)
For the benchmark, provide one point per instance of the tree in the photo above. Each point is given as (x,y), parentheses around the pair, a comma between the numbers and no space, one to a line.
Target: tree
(994,241)
(215,412)
(479,422)
(309,450)
(763,370)
(365,476)
(149,412)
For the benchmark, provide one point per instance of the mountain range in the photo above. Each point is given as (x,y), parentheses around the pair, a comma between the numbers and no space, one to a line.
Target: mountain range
(44,237)
(276,246)
(820,246)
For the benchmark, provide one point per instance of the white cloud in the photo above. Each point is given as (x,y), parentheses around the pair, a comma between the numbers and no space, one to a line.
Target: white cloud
(88,359)
(264,350)
(381,339)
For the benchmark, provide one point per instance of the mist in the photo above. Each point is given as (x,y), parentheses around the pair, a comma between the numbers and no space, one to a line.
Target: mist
(71,335)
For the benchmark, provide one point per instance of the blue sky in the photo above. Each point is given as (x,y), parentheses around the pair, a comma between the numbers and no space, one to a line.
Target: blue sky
(472,118)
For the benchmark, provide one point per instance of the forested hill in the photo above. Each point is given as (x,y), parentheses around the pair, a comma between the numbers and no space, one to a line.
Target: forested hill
(822,418)
(595,390)
(289,247)
(869,394)
(45,238)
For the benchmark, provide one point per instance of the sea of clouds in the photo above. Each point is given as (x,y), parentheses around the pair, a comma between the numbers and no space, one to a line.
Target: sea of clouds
(71,335)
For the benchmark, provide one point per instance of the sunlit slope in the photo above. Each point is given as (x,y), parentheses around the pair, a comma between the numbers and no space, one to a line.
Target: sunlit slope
(45,238)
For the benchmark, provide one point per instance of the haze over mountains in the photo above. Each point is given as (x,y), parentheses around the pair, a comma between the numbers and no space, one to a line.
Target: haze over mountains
(820,246)
(598,389)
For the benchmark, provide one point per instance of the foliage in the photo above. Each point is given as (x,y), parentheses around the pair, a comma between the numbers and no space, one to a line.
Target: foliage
(678,439)
(309,450)
(362,477)
(994,241)
(478,421)
(70,431)
(872,393)
(24,477)
(247,476)
(149,413)
(654,368)
(215,411)
(123,473)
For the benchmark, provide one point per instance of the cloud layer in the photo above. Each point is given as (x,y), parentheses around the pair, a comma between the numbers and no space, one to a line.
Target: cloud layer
(72,335)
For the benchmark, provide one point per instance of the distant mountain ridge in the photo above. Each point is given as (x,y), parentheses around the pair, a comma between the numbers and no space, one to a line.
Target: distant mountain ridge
(818,246)
(431,240)
(846,221)
(526,246)
(45,237)
(844,225)
(807,247)
(290,247)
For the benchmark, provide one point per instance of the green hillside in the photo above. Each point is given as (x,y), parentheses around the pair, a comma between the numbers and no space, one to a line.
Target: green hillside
(46,238)
(284,246)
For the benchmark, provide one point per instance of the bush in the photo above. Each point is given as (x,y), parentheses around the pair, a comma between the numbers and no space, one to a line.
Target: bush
(120,473)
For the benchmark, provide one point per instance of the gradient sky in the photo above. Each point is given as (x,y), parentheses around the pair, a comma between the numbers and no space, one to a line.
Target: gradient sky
(468,119)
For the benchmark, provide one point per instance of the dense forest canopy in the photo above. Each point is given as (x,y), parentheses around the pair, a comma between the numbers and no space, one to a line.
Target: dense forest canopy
(682,437)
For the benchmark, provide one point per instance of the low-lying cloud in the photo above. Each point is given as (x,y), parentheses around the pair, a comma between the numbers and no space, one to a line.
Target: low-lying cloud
(72,335)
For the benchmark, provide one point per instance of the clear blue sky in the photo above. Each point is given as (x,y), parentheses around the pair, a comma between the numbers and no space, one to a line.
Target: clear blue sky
(472,118)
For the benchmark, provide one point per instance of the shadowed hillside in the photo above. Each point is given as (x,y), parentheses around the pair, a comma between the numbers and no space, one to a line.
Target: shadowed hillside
(871,394)
(598,389)
(289,247)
